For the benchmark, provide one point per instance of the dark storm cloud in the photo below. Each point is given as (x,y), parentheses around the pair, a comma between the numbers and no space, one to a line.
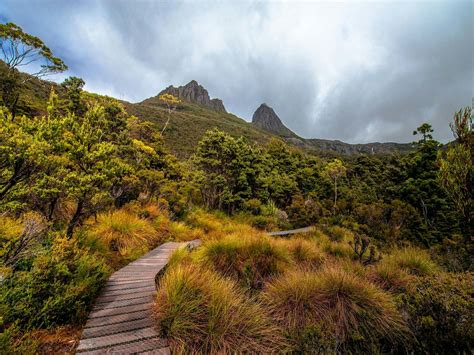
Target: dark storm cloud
(355,72)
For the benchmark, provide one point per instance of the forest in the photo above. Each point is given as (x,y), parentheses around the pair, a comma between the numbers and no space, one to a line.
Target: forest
(86,188)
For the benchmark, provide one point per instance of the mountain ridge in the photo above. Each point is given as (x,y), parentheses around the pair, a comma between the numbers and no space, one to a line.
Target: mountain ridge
(198,113)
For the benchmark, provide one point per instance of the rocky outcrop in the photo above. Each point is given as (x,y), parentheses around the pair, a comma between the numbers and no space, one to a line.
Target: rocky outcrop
(195,93)
(266,119)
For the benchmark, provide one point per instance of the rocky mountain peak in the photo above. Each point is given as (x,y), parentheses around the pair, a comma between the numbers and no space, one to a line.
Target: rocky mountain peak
(195,93)
(266,119)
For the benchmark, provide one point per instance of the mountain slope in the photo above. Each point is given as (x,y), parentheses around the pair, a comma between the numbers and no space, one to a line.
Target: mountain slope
(190,122)
(199,113)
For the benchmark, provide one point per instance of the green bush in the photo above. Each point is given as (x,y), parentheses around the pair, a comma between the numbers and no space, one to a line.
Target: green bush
(439,311)
(59,288)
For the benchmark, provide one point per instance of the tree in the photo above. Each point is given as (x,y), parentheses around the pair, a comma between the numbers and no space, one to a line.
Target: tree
(228,170)
(456,168)
(171,103)
(462,126)
(73,86)
(22,152)
(334,171)
(20,49)
(425,130)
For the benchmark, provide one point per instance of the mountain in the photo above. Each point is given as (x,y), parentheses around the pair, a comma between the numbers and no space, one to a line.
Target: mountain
(194,93)
(199,113)
(266,119)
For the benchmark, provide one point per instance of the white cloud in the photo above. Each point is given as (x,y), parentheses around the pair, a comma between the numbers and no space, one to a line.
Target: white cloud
(352,71)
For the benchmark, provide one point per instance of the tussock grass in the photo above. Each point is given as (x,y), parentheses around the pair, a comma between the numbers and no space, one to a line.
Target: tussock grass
(250,259)
(202,312)
(124,232)
(337,306)
(338,249)
(305,253)
(391,277)
(413,260)
(215,225)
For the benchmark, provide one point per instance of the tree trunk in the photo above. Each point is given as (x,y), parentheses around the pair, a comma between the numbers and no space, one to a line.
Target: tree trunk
(75,219)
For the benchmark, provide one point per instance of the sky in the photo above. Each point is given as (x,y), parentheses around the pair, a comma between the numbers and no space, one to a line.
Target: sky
(354,71)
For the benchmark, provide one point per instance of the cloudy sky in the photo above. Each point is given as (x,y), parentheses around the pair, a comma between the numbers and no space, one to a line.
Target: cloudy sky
(358,72)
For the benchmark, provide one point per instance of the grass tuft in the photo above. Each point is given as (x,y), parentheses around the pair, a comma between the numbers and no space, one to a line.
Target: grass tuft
(202,312)
(124,232)
(336,306)
(250,259)
(305,253)
(413,260)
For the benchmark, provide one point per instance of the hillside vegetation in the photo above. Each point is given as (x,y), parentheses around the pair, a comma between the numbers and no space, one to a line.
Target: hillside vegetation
(86,187)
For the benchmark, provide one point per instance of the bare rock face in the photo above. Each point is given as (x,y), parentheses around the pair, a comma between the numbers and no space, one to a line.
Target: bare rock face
(266,119)
(195,93)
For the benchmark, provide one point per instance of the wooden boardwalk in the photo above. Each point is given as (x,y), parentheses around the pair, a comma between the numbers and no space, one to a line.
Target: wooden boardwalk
(121,322)
(291,231)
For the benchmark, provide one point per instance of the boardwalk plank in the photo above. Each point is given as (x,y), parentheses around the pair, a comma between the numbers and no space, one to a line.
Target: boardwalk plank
(121,320)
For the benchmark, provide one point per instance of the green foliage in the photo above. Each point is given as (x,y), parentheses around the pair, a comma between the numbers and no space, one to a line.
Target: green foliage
(228,170)
(440,312)
(58,289)
(20,49)
(73,86)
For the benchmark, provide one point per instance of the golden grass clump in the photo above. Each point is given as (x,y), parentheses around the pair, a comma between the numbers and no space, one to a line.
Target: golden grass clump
(390,277)
(214,225)
(339,307)
(124,232)
(205,221)
(338,249)
(305,253)
(200,311)
(250,259)
(412,260)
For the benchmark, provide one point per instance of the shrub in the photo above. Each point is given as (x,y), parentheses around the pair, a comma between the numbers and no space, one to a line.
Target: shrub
(58,289)
(267,223)
(333,309)
(202,312)
(339,234)
(440,313)
(250,259)
(413,260)
(124,232)
(253,206)
(18,238)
